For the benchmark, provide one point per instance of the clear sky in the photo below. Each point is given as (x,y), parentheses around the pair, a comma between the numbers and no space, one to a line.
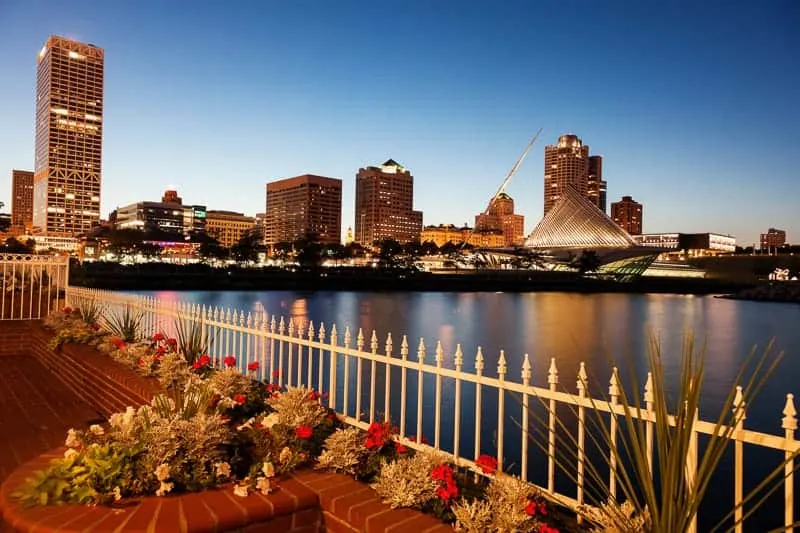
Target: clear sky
(695,106)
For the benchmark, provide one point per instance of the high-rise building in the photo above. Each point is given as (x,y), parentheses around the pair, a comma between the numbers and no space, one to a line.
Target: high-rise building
(21,200)
(565,164)
(69,132)
(385,205)
(304,207)
(500,217)
(228,227)
(773,238)
(596,186)
(627,213)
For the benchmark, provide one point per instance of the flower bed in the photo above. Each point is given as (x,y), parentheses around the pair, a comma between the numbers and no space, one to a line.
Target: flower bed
(216,431)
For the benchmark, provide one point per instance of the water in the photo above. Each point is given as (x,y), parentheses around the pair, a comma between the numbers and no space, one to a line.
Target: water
(596,329)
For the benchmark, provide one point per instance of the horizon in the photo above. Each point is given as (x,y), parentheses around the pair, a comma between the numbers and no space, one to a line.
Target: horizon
(691,106)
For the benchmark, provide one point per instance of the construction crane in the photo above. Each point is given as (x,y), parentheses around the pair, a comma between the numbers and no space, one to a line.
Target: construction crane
(505,182)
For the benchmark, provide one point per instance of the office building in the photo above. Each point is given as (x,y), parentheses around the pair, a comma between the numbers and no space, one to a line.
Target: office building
(596,186)
(773,239)
(443,234)
(69,132)
(627,213)
(228,227)
(500,217)
(21,201)
(169,215)
(385,205)
(306,207)
(689,244)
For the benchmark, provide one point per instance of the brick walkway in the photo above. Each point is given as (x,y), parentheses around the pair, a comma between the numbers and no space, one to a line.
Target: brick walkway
(36,410)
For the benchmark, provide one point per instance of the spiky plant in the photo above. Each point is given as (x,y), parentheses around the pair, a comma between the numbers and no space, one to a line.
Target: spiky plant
(192,341)
(671,501)
(125,324)
(90,311)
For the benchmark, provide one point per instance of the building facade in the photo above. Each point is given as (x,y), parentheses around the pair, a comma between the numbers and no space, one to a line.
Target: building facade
(443,234)
(304,207)
(228,227)
(21,201)
(596,186)
(385,205)
(627,213)
(500,217)
(149,216)
(69,132)
(772,239)
(565,164)
(689,244)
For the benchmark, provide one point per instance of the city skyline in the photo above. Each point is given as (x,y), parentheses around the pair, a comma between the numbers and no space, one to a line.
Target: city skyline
(691,123)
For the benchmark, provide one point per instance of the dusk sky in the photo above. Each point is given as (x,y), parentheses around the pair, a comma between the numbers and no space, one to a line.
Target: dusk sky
(695,106)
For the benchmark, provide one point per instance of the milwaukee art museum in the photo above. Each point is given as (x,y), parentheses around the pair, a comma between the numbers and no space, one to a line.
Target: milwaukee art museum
(574,226)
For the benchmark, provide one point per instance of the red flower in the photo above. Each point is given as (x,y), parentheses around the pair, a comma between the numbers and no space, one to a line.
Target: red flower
(447,492)
(161,350)
(531,508)
(303,432)
(172,342)
(544,528)
(158,337)
(377,435)
(276,373)
(442,473)
(240,399)
(252,366)
(141,362)
(230,361)
(314,396)
(400,447)
(415,439)
(201,362)
(487,463)
(542,509)
(273,388)
(95,327)
(67,310)
(215,400)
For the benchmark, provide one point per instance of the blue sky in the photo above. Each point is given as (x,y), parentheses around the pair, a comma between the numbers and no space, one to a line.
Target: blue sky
(694,105)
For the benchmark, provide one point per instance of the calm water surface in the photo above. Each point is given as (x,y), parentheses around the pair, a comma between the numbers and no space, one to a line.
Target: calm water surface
(572,328)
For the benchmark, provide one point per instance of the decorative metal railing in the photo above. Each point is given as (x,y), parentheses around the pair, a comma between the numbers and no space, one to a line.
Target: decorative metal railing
(31,285)
(463,408)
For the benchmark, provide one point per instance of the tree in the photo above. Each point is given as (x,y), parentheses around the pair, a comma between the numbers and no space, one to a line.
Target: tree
(353,250)
(211,249)
(389,252)
(5,220)
(309,253)
(587,262)
(14,246)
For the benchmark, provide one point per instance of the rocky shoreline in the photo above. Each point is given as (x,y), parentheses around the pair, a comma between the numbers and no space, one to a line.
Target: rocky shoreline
(777,291)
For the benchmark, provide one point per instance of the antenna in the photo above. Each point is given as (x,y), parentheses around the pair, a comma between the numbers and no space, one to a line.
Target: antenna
(505,181)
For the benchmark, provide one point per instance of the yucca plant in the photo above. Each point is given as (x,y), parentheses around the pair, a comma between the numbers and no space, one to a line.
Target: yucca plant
(90,311)
(184,403)
(126,324)
(668,502)
(192,342)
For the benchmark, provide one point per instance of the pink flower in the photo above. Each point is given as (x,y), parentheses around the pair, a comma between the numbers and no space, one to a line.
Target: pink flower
(303,432)
(230,361)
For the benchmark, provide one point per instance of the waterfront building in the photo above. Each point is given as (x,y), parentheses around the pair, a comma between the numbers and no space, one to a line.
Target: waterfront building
(304,207)
(688,244)
(596,186)
(574,226)
(21,201)
(500,217)
(443,234)
(169,215)
(228,227)
(385,205)
(771,240)
(69,132)
(627,214)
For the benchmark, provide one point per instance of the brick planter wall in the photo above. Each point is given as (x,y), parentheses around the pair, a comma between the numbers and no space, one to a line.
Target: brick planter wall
(307,501)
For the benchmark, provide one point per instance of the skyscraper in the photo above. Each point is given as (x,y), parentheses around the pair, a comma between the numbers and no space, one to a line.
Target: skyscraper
(596,187)
(69,131)
(501,217)
(565,164)
(385,204)
(627,213)
(21,200)
(304,207)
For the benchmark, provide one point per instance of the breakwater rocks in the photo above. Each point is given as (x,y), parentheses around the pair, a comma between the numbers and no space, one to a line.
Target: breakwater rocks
(787,291)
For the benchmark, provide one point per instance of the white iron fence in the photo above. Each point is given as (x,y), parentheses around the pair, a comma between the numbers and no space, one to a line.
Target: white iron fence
(465,411)
(31,285)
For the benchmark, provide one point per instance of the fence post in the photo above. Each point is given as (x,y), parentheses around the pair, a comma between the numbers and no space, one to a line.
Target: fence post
(478,374)
(789,424)
(552,380)
(403,384)
(458,361)
(387,391)
(526,381)
(438,358)
(359,371)
(613,392)
(581,385)
(332,363)
(738,453)
(347,341)
(502,369)
(649,428)
(420,382)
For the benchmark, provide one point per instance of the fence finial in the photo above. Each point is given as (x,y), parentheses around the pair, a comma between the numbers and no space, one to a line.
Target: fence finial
(404,348)
(479,361)
(321,331)
(502,366)
(360,340)
(334,335)
(282,327)
(738,405)
(648,389)
(526,370)
(789,421)
(582,378)
(458,358)
(291,327)
(389,343)
(421,350)
(311,329)
(347,336)
(373,342)
(552,373)
(439,356)
(613,384)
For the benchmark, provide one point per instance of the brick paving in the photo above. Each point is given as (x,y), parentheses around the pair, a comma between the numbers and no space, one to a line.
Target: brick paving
(36,410)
